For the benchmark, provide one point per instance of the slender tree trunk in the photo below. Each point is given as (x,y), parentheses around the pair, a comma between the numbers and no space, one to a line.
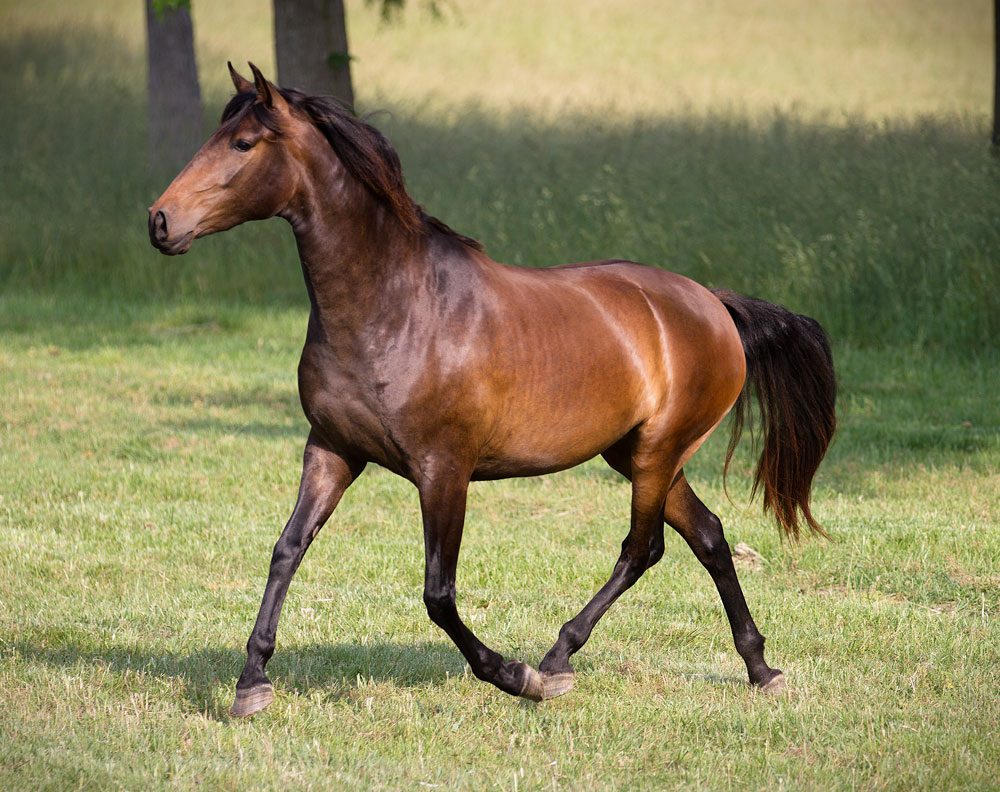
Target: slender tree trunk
(310,38)
(996,76)
(175,113)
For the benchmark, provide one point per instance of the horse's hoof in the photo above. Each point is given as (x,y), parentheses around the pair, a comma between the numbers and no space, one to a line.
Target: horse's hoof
(534,687)
(775,684)
(252,700)
(556,684)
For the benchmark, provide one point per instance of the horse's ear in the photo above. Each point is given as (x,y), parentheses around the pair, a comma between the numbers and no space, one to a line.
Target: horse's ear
(243,85)
(268,93)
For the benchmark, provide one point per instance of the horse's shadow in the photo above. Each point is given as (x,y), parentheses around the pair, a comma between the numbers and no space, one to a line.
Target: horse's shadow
(206,678)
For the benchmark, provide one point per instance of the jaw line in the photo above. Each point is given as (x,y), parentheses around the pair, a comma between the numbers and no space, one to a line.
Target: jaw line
(180,247)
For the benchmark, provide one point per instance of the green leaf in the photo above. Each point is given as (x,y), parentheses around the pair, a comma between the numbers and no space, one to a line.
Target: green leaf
(160,7)
(338,60)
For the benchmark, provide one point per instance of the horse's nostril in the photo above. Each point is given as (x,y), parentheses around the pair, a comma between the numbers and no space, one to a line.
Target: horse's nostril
(161,225)
(158,227)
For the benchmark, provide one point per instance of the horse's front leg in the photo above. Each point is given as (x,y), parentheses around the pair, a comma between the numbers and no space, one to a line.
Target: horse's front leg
(325,476)
(442,506)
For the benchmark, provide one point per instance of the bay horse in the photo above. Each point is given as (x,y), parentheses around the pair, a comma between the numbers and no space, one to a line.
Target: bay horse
(426,357)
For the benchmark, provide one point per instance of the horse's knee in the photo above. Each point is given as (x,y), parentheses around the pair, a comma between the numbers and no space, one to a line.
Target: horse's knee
(285,557)
(637,559)
(440,602)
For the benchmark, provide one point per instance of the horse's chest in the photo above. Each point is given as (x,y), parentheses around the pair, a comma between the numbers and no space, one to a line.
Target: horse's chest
(341,404)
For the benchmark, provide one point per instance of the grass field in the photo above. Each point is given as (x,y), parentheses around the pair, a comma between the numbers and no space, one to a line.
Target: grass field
(831,156)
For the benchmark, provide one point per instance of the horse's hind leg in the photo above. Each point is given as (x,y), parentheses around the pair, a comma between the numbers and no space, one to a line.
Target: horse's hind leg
(642,548)
(703,532)
(325,476)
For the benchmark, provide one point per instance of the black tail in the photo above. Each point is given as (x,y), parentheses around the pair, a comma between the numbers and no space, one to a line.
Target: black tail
(790,366)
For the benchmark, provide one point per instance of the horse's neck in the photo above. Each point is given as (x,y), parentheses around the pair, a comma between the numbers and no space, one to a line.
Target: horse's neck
(357,266)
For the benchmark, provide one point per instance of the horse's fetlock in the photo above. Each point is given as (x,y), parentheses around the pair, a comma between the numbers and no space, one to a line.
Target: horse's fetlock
(259,646)
(749,643)
(572,637)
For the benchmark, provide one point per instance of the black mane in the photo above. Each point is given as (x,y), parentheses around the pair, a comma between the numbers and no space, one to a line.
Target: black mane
(364,151)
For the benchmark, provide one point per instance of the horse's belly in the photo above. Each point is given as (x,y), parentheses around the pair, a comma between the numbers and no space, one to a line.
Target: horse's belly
(543,438)
(534,463)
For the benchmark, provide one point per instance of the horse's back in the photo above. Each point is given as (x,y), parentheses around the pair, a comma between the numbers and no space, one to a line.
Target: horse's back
(688,318)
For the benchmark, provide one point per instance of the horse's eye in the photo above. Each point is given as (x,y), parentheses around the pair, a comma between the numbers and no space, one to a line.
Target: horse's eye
(242,145)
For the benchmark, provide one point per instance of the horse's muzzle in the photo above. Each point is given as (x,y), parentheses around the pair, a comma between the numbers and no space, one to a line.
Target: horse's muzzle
(159,235)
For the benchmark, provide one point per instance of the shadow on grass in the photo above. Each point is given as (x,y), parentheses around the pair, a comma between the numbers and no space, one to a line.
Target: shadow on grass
(206,678)
(335,670)
(281,406)
(259,429)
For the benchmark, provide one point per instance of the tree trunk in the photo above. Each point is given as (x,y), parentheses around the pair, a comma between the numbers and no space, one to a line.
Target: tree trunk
(310,38)
(996,76)
(175,114)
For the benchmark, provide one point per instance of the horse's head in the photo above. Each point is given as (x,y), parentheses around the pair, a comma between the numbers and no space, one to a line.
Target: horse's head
(283,152)
(245,171)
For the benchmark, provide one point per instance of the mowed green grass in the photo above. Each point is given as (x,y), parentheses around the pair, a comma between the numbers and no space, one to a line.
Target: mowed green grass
(150,457)
(830,156)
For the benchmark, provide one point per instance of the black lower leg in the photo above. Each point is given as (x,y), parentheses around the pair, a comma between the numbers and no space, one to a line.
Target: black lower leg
(703,532)
(442,502)
(642,548)
(285,559)
(576,632)
(487,665)
(325,476)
